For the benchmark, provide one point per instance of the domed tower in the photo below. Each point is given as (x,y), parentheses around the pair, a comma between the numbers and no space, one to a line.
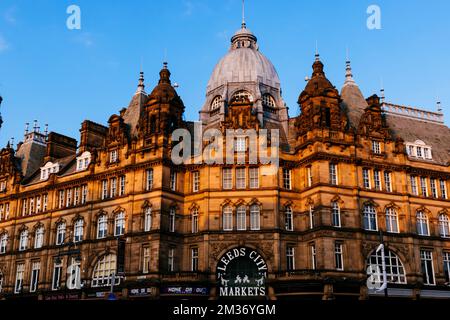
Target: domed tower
(320,104)
(245,76)
(163,112)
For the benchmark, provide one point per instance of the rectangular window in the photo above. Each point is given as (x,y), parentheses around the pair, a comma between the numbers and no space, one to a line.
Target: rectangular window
(411,151)
(7,211)
(309,178)
(289,217)
(419,152)
(171,266)
(147,219)
(113,156)
(312,249)
(333,174)
(194,259)
(241,182)
(387,181)
(195,181)
(414,189)
(172,215)
(149,179)
(377,180)
(57,271)
(426,258)
(423,186)
(287,179)
(76,199)
(122,186)
(1,211)
(146,260)
(290,258)
(35,269)
(426,153)
(433,186)
(173,180)
(113,184)
(311,217)
(338,256)
(254,178)
(376,147)
(84,194)
(104,189)
(31,206)
(366,179)
(240,144)
(68,197)
(38,204)
(25,207)
(336,214)
(227,179)
(20,271)
(443,186)
(446,256)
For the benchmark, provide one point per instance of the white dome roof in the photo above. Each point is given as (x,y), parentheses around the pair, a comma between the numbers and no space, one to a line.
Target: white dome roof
(244,63)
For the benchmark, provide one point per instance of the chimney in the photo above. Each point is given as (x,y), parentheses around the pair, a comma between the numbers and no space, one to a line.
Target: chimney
(92,135)
(59,146)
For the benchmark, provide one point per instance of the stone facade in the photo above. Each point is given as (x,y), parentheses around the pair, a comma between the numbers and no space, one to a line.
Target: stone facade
(334,167)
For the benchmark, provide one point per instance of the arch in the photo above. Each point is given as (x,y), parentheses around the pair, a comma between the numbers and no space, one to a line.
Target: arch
(59,221)
(241,96)
(254,202)
(240,203)
(193,206)
(102,270)
(146,204)
(396,273)
(268,100)
(215,103)
(339,201)
(444,224)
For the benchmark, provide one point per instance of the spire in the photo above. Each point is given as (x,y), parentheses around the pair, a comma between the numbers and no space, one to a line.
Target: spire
(141,85)
(382,93)
(317,52)
(348,73)
(244,25)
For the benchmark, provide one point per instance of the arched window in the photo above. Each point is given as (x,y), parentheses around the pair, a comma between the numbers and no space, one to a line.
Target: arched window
(242,97)
(227,216)
(194,220)
(78,229)
(422,224)
(268,101)
(391,220)
(394,267)
(289,219)
(60,233)
(23,240)
(370,218)
(147,219)
(39,237)
(119,224)
(255,217)
(335,214)
(102,226)
(241,218)
(3,243)
(215,104)
(444,226)
(103,271)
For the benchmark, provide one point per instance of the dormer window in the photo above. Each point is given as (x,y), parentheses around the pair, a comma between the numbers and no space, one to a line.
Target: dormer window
(48,169)
(419,150)
(83,161)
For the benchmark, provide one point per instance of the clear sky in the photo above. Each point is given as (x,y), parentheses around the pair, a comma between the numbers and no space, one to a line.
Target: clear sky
(62,77)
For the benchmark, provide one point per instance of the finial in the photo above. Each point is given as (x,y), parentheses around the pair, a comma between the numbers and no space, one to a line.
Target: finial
(27,128)
(317,52)
(244,25)
(35,126)
(348,71)
(141,85)
(46,129)
(12,142)
(439,106)
(383,97)
(165,65)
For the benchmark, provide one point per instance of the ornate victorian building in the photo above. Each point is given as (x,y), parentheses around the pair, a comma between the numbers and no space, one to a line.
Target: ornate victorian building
(113,212)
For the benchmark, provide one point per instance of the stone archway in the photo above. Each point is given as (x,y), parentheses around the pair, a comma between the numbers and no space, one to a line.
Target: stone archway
(241,272)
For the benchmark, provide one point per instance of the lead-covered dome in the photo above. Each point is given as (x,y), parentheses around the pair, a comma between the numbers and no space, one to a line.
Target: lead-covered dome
(243,63)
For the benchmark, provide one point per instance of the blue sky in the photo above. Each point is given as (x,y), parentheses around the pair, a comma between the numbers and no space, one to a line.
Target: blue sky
(62,77)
